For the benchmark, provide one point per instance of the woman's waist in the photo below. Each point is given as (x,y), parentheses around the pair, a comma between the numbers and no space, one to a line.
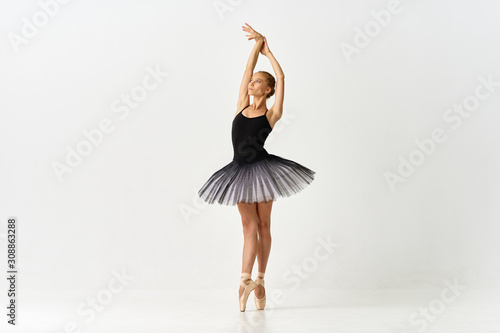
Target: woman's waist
(250,155)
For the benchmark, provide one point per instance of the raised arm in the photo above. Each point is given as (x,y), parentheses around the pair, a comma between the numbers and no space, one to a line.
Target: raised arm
(243,97)
(277,108)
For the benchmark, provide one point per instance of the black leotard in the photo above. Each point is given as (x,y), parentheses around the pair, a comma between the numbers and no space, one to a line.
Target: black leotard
(249,136)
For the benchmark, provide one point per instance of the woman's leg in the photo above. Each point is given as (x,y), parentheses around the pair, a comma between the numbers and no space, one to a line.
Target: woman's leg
(250,221)
(264,247)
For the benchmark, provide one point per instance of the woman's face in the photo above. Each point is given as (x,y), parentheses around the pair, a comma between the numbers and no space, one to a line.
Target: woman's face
(257,85)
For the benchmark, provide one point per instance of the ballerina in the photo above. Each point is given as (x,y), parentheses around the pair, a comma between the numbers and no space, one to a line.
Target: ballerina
(254,179)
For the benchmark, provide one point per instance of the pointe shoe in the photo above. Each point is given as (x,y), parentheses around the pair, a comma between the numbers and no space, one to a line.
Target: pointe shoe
(260,303)
(248,289)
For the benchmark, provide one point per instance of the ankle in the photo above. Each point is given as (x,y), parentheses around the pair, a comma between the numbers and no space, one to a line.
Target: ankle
(246,277)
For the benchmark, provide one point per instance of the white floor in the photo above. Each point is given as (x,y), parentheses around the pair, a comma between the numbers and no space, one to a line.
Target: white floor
(313,310)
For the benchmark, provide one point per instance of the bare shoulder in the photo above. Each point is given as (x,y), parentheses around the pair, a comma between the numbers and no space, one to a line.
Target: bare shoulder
(239,107)
(273,116)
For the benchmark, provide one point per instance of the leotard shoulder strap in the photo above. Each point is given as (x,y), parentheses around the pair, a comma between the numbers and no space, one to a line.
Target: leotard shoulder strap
(244,108)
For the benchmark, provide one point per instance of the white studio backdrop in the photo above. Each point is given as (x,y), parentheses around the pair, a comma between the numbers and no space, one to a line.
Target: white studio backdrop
(114,114)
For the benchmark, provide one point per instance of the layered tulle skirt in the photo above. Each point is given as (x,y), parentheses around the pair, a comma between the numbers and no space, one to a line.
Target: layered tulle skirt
(262,181)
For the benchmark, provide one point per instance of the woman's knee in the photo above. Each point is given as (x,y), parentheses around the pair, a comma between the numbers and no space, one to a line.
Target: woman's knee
(250,226)
(264,227)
